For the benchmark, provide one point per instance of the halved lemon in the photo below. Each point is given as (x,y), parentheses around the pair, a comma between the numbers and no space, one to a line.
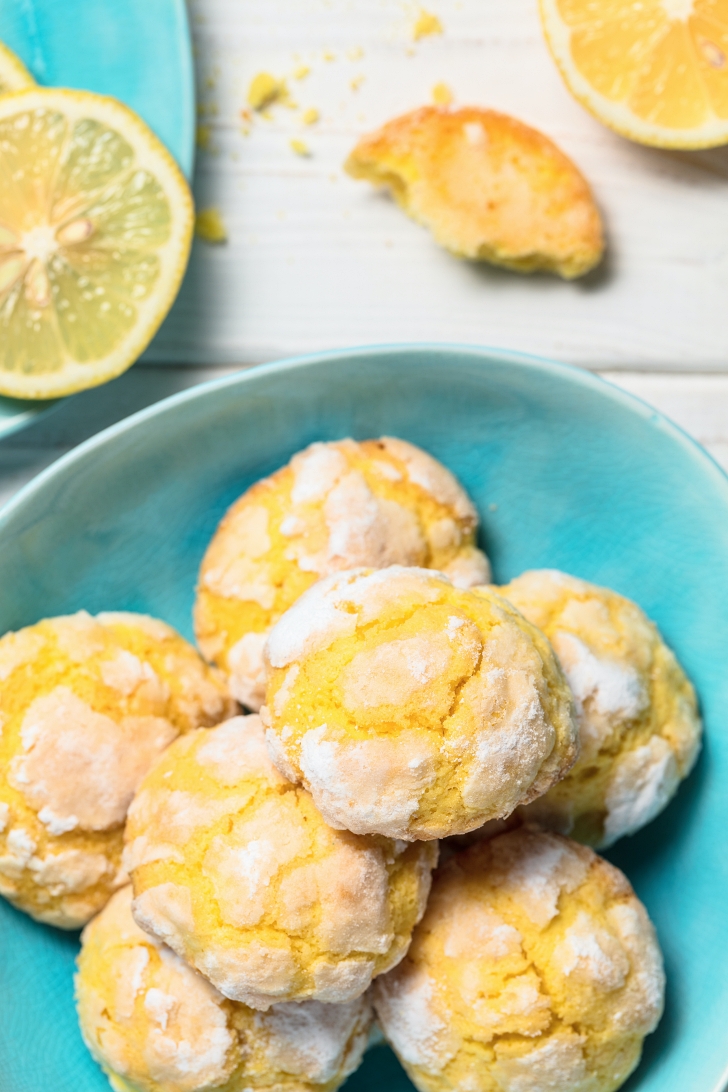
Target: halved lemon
(95,231)
(14,76)
(656,71)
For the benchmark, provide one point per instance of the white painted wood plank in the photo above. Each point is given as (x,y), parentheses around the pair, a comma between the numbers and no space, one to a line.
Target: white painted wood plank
(699,403)
(316,260)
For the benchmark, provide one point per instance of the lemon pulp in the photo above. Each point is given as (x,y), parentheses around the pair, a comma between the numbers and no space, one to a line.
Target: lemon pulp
(654,70)
(95,229)
(14,76)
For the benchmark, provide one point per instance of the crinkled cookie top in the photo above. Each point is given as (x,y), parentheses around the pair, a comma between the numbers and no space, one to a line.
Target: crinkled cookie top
(335,506)
(86,706)
(236,870)
(156,1025)
(638,720)
(411,708)
(534,967)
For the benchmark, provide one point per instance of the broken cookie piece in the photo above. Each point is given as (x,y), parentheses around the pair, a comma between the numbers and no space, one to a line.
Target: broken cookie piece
(488,187)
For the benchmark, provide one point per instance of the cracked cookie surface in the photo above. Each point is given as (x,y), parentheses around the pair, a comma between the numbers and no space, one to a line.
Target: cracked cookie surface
(335,506)
(534,967)
(235,869)
(412,708)
(86,706)
(155,1025)
(639,726)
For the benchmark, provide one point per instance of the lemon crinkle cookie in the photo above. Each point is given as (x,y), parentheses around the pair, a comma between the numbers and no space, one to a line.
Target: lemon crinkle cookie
(156,1025)
(335,506)
(86,706)
(639,725)
(414,709)
(234,868)
(535,967)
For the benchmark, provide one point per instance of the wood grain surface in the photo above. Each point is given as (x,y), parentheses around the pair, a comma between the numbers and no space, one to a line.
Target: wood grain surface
(316,260)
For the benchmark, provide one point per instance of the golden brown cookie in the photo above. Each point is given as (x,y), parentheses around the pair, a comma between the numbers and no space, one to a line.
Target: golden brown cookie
(639,726)
(234,868)
(86,706)
(534,968)
(488,187)
(333,507)
(156,1025)
(414,709)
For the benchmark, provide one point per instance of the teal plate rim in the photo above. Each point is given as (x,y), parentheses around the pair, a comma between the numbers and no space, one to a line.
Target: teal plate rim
(526,360)
(707,471)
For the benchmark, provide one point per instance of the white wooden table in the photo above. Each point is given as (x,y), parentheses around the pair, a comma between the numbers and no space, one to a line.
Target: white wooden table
(315,260)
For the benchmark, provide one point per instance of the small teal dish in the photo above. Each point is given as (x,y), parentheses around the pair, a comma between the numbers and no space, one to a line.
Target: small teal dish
(566,471)
(139,51)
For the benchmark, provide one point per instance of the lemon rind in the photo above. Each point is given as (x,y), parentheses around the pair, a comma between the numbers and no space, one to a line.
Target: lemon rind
(14,76)
(617,116)
(174,254)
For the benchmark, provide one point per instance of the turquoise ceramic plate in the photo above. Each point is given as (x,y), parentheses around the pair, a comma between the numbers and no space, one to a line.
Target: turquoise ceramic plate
(566,471)
(137,50)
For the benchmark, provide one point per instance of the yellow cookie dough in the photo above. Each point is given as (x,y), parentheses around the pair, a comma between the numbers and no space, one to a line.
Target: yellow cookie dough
(639,725)
(534,968)
(333,507)
(234,868)
(86,706)
(155,1025)
(411,708)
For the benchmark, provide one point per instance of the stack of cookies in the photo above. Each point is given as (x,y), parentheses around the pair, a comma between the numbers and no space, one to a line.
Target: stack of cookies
(284,887)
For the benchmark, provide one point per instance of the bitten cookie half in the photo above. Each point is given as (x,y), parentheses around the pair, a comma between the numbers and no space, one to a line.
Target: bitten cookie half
(535,967)
(334,506)
(412,708)
(639,726)
(235,869)
(86,706)
(488,187)
(155,1025)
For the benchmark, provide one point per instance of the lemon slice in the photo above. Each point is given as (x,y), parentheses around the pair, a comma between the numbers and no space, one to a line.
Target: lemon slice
(14,76)
(95,231)
(656,71)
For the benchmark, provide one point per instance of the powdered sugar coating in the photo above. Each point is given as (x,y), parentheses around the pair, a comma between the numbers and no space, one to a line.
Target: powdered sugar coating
(335,507)
(535,967)
(150,1019)
(638,722)
(87,705)
(244,880)
(412,709)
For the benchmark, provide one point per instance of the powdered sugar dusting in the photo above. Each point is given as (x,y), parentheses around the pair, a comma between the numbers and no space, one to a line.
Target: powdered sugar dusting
(315,472)
(309,1040)
(242,864)
(246,670)
(558,1063)
(235,752)
(395,672)
(67,744)
(404,1001)
(533,869)
(589,954)
(642,782)
(432,476)
(371,785)
(475,931)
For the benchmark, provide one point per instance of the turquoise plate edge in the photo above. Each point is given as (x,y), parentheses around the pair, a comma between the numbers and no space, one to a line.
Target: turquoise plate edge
(53,39)
(708,1069)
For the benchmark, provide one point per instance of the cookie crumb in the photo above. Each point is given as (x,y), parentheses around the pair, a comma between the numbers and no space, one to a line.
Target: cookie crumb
(209,226)
(442,95)
(264,90)
(426,26)
(300,148)
(310,116)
